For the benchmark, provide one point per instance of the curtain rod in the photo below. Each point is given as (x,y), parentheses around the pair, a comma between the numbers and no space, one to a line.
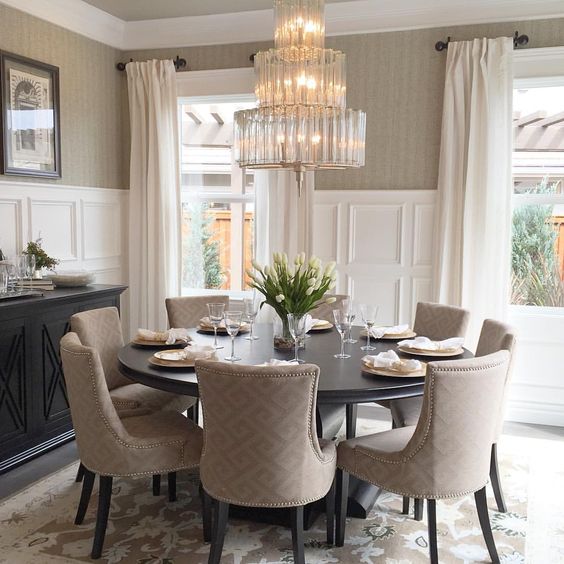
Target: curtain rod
(518,41)
(179,64)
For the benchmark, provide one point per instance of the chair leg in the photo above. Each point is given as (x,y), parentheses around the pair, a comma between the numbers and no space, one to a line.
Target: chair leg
(405,506)
(80,473)
(298,534)
(418,509)
(330,513)
(104,500)
(496,484)
(171,482)
(206,514)
(482,507)
(87,485)
(219,526)
(432,528)
(342,502)
(156,484)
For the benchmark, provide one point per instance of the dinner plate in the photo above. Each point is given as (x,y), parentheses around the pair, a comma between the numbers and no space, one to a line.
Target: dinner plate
(395,373)
(221,330)
(421,352)
(172,359)
(147,343)
(321,326)
(391,336)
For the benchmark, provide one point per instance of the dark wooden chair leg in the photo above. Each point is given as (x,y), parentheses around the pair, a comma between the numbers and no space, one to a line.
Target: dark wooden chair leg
(206,514)
(298,534)
(80,473)
(418,509)
(87,485)
(496,484)
(432,528)
(156,484)
(219,526)
(483,516)
(342,502)
(171,483)
(104,500)
(330,514)
(405,506)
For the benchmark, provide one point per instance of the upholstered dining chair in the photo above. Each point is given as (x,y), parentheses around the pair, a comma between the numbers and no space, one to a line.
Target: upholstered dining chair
(110,445)
(186,311)
(325,311)
(101,330)
(494,336)
(260,444)
(446,455)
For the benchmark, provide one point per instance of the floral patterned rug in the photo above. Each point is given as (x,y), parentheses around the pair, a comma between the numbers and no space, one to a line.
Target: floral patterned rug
(36,527)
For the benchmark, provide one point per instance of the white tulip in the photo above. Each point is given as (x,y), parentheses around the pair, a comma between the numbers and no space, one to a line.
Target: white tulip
(329,267)
(280,298)
(313,261)
(256,265)
(302,257)
(312,281)
(330,300)
(309,291)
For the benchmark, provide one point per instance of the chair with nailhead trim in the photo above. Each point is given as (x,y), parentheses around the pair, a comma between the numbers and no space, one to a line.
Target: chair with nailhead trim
(446,455)
(111,445)
(260,444)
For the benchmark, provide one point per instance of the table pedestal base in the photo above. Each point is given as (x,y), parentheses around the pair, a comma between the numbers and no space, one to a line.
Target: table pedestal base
(362,497)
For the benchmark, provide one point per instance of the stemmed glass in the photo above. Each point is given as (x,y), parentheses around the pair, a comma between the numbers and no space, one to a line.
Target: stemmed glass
(348,307)
(342,324)
(251,309)
(368,313)
(297,326)
(215,313)
(233,324)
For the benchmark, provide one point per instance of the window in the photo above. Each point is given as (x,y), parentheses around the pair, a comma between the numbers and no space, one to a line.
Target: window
(217,198)
(538,197)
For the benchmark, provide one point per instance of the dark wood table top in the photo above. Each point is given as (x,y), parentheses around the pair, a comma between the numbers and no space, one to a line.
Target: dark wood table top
(340,381)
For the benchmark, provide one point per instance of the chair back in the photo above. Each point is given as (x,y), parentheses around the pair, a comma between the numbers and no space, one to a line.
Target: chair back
(438,321)
(186,311)
(101,330)
(325,311)
(260,442)
(449,453)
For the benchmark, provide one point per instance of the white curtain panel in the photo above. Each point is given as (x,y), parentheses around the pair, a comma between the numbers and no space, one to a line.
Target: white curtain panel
(154,197)
(473,238)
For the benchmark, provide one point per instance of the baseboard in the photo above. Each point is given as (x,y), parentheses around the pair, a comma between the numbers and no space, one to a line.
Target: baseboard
(538,413)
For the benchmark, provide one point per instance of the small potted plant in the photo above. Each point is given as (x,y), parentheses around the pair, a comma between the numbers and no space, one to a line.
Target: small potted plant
(293,289)
(42,259)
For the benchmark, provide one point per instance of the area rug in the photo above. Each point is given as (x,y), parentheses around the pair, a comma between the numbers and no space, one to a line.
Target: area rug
(36,527)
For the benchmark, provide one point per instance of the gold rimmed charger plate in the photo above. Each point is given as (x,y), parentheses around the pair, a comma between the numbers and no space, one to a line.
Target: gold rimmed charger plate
(424,352)
(157,360)
(221,330)
(392,336)
(321,326)
(395,373)
(147,343)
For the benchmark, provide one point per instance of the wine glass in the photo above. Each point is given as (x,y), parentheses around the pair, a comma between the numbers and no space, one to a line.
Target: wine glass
(250,312)
(368,313)
(215,313)
(297,327)
(349,308)
(21,264)
(342,324)
(233,324)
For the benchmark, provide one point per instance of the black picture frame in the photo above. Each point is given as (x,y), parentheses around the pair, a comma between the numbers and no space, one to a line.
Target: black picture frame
(29,120)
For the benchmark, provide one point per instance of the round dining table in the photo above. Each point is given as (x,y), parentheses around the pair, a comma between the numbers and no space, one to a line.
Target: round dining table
(342,382)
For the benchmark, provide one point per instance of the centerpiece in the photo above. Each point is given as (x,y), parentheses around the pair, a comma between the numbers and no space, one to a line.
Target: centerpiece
(297,289)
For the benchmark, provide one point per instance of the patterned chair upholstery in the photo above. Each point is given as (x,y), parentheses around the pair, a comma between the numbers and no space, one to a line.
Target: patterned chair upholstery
(446,455)
(187,311)
(325,311)
(260,443)
(109,445)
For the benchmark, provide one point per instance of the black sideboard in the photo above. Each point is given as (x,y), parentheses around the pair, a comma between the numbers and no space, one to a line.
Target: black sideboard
(34,410)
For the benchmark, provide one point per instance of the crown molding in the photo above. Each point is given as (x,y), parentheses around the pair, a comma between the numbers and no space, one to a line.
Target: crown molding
(347,18)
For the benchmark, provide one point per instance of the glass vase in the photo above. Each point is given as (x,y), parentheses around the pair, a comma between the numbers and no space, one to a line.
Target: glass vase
(283,340)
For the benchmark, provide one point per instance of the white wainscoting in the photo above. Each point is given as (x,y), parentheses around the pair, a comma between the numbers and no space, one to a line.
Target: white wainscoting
(83,227)
(382,243)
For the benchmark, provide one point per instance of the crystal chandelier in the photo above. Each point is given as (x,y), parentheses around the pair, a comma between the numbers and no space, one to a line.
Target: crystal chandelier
(301,122)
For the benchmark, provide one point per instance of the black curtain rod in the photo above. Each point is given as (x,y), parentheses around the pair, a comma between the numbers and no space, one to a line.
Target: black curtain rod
(518,41)
(179,64)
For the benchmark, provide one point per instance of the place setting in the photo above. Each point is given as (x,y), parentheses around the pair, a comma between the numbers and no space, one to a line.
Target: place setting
(183,358)
(388,363)
(177,337)
(423,346)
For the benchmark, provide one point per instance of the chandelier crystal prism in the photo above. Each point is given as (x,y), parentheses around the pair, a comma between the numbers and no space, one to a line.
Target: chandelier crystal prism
(301,122)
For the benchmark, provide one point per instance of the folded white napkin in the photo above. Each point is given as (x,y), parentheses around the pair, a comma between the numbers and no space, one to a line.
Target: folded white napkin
(205,321)
(379,332)
(168,337)
(391,360)
(426,344)
(199,352)
(276,362)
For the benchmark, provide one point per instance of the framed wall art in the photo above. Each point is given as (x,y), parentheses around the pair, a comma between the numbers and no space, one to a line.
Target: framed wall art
(29,94)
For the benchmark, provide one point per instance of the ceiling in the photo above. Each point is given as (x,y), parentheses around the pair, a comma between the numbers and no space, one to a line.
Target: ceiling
(137,10)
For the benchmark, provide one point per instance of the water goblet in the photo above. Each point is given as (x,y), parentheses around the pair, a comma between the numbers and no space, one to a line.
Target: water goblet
(233,324)
(342,325)
(368,313)
(251,309)
(215,313)
(297,327)
(4,276)
(349,307)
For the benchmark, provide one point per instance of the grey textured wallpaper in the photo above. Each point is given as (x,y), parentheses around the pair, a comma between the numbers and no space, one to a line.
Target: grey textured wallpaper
(398,79)
(92,97)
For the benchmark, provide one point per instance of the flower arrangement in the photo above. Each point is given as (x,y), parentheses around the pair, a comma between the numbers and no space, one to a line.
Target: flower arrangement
(42,259)
(296,288)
